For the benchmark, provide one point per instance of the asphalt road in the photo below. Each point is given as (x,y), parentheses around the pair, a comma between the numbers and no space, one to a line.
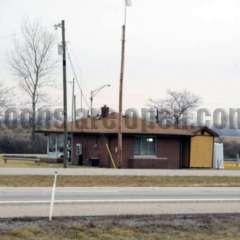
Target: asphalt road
(20,202)
(120,194)
(117,172)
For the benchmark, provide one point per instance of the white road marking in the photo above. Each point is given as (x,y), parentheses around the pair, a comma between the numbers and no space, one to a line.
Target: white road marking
(124,201)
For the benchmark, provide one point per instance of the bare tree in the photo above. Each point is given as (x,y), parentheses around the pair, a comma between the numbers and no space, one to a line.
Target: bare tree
(176,106)
(32,62)
(5,100)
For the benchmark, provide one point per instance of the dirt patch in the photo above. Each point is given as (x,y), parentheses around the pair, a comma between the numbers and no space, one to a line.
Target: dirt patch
(196,227)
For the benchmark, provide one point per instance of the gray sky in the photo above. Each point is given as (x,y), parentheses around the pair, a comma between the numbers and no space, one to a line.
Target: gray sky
(187,44)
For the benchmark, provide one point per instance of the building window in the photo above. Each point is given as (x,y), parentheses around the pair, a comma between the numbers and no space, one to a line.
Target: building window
(52,143)
(145,146)
(55,143)
(60,143)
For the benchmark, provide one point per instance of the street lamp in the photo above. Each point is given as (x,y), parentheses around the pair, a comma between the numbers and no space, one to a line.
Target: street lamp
(93,94)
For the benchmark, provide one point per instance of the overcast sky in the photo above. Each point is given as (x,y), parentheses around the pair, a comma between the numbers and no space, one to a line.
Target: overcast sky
(171,44)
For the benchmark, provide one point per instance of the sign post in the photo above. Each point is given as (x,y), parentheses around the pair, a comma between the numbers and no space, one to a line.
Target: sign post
(53,196)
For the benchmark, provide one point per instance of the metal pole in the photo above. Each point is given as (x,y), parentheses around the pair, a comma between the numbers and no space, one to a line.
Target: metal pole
(64,93)
(120,140)
(81,101)
(73,103)
(75,109)
(91,105)
(73,117)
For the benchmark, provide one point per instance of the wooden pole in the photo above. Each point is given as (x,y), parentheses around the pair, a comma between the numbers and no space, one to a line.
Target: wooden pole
(64,94)
(110,155)
(120,138)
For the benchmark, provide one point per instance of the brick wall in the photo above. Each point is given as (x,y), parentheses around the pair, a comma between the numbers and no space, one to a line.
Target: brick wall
(94,146)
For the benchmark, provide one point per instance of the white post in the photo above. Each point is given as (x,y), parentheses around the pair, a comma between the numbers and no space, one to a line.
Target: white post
(53,196)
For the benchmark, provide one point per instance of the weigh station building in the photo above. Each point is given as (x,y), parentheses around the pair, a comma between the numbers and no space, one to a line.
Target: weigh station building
(145,144)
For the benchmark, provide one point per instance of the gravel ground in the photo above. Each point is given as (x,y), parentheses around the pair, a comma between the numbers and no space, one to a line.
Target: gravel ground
(134,221)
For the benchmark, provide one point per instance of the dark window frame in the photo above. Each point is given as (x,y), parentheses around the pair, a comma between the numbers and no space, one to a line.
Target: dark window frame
(141,143)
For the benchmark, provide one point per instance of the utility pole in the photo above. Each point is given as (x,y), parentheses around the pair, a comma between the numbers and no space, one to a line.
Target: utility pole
(120,138)
(64,65)
(64,94)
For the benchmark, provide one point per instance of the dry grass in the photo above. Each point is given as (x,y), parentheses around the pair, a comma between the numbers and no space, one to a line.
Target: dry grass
(118,181)
(27,164)
(129,228)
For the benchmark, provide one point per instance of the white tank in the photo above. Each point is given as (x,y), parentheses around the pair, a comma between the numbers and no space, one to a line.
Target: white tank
(218,158)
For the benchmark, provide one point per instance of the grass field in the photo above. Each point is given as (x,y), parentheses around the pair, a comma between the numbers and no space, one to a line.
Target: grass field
(203,227)
(118,181)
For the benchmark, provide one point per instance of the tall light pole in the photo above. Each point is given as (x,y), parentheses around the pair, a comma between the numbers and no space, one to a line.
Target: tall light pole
(64,65)
(93,94)
(73,117)
(120,140)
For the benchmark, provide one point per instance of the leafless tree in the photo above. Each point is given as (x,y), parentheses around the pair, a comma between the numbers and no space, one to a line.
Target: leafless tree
(176,106)
(32,62)
(5,100)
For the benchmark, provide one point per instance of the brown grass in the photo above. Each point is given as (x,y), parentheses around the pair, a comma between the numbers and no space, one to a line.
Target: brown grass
(118,181)
(27,164)
(130,228)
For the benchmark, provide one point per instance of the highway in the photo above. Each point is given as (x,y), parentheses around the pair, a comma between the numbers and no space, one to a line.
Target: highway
(20,202)
(120,194)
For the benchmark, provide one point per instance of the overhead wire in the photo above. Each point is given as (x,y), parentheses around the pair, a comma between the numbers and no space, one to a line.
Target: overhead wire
(77,80)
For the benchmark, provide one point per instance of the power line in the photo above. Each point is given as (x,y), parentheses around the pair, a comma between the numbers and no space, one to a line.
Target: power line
(77,80)
(77,65)
(76,77)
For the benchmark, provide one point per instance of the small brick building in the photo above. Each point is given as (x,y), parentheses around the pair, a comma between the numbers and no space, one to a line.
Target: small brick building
(145,144)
